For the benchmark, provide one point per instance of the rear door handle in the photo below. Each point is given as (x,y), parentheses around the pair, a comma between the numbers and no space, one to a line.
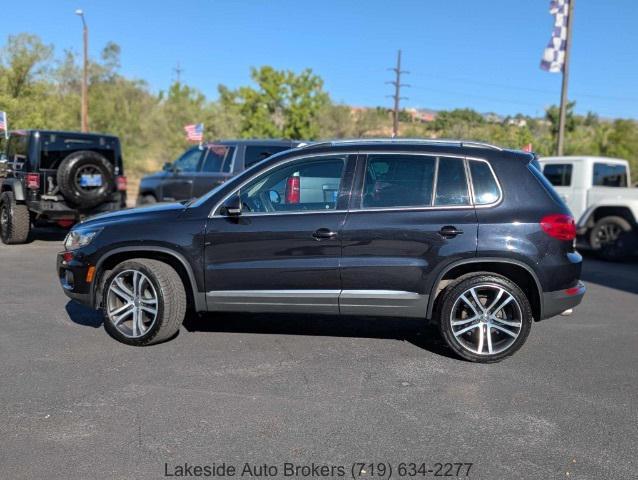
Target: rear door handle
(324,233)
(450,231)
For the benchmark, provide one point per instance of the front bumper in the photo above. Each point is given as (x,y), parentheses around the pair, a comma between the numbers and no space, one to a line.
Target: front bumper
(72,275)
(555,303)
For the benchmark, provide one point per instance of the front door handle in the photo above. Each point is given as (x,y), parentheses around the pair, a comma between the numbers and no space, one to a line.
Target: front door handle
(449,231)
(324,233)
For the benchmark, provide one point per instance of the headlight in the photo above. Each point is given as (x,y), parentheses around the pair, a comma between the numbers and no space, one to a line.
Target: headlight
(80,238)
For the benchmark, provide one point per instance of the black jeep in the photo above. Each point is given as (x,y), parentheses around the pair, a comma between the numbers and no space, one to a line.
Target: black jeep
(57,177)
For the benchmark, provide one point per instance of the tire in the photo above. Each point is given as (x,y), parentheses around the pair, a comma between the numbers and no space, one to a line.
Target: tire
(15,220)
(146,200)
(511,307)
(85,162)
(162,283)
(608,238)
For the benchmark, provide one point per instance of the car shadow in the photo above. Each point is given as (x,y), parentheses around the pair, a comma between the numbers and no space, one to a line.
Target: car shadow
(47,234)
(406,330)
(83,315)
(617,275)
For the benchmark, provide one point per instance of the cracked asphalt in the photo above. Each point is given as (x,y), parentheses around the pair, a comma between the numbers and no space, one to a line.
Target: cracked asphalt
(75,404)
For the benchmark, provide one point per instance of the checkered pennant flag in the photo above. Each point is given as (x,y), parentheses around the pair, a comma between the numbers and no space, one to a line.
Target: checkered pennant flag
(554,55)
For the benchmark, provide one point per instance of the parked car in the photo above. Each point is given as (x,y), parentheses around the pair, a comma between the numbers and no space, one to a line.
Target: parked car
(202,168)
(57,177)
(596,189)
(466,235)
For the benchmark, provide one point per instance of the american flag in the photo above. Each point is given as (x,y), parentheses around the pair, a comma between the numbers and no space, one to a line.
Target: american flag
(554,55)
(194,132)
(3,121)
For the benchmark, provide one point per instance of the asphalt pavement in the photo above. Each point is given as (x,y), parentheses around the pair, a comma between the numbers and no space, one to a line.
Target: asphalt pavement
(274,389)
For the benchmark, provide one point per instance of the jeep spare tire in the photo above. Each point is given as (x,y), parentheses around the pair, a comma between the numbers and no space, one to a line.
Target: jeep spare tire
(86,179)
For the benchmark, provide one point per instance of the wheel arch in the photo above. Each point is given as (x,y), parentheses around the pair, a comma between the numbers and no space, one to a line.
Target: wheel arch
(516,271)
(602,211)
(15,186)
(195,299)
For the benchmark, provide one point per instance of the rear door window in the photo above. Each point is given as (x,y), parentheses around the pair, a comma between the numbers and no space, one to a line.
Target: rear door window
(610,175)
(218,159)
(451,183)
(558,174)
(398,181)
(257,153)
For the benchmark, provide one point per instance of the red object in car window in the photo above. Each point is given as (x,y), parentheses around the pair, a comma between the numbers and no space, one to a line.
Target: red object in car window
(293,190)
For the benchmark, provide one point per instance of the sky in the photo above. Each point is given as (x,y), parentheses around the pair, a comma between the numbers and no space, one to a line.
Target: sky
(481,54)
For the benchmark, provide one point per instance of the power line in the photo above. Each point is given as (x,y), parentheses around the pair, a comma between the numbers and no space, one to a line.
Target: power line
(397,93)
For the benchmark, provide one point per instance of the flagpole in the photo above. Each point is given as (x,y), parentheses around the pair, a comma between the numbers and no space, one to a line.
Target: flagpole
(563,90)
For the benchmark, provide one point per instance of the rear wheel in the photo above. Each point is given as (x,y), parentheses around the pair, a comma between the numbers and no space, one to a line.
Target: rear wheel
(144,302)
(608,236)
(484,318)
(15,221)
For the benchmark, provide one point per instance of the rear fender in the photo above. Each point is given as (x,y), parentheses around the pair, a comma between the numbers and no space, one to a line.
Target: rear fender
(14,185)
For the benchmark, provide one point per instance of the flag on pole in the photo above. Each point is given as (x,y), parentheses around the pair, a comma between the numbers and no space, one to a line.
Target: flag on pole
(3,121)
(554,55)
(194,132)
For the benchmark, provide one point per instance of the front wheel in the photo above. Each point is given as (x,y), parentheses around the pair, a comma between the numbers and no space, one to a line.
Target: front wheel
(144,302)
(484,318)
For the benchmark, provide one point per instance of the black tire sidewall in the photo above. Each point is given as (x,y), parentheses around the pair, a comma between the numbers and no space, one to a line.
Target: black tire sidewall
(5,205)
(149,336)
(66,179)
(614,252)
(449,297)
(9,235)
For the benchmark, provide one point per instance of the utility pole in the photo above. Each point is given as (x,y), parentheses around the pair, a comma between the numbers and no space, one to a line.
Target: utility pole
(397,94)
(85,73)
(563,91)
(178,72)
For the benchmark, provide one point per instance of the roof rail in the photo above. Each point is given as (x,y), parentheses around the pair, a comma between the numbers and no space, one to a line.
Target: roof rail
(425,141)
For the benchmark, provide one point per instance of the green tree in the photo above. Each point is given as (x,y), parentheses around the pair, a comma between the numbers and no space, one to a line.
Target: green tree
(283,104)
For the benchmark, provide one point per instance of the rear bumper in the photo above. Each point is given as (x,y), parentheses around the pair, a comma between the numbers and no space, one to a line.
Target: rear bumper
(54,210)
(555,303)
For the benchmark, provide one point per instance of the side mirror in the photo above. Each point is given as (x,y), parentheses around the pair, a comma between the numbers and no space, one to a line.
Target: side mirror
(274,197)
(168,167)
(231,207)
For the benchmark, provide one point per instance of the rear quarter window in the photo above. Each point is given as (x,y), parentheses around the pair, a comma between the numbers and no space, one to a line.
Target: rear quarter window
(485,187)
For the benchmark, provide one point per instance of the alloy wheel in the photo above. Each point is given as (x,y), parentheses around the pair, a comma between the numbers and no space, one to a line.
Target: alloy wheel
(486,319)
(608,233)
(132,303)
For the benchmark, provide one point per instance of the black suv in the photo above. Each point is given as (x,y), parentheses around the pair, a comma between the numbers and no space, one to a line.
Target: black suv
(202,168)
(467,235)
(57,177)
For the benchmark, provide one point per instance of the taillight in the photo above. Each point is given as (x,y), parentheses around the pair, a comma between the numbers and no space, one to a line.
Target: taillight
(293,190)
(121,183)
(33,181)
(559,226)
